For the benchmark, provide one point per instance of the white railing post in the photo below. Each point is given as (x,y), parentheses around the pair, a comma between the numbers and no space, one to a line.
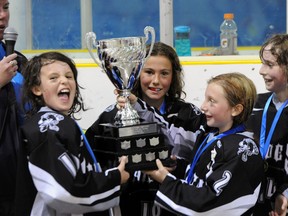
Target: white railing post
(86,20)
(166,21)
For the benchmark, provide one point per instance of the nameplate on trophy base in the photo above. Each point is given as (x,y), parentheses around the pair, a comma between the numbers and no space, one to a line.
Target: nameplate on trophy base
(142,151)
(131,130)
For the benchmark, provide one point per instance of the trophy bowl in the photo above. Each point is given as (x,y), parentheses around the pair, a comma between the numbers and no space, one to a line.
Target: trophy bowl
(122,60)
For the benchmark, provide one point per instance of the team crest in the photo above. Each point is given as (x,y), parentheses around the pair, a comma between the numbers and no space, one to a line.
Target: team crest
(247,147)
(50,121)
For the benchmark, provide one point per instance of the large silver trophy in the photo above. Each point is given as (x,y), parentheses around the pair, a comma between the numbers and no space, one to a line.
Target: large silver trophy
(122,60)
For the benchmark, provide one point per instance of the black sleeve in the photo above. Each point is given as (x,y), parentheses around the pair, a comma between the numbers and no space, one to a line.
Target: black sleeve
(21,61)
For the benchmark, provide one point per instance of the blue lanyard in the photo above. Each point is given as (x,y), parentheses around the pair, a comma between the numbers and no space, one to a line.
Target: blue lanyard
(204,145)
(89,148)
(163,108)
(264,144)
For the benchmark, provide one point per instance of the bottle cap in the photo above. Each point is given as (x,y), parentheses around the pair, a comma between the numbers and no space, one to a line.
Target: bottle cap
(182,29)
(228,16)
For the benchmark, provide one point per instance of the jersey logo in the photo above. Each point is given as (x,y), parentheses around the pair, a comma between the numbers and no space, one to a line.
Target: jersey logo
(247,147)
(196,109)
(257,109)
(68,163)
(220,184)
(211,163)
(110,108)
(50,121)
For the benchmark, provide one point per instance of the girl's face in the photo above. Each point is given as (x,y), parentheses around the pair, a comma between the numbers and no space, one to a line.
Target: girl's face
(273,75)
(155,79)
(58,86)
(218,112)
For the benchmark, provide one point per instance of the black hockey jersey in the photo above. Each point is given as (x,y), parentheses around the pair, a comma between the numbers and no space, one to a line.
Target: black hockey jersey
(57,174)
(226,181)
(276,170)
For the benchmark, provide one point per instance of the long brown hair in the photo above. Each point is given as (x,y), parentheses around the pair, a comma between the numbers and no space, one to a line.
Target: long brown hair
(31,74)
(175,91)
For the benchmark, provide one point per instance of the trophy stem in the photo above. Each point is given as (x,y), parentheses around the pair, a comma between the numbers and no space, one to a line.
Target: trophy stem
(127,115)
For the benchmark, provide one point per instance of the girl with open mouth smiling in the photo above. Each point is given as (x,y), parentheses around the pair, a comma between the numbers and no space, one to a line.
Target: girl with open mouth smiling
(269,122)
(58,173)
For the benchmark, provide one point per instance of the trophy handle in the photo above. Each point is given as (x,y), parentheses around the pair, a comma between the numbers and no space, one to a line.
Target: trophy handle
(91,43)
(152,32)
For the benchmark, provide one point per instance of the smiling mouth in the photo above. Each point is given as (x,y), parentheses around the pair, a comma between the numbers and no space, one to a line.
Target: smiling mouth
(268,80)
(64,93)
(208,116)
(155,89)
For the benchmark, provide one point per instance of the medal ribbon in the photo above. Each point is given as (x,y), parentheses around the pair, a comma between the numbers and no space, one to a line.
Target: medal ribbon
(264,144)
(89,148)
(163,108)
(204,145)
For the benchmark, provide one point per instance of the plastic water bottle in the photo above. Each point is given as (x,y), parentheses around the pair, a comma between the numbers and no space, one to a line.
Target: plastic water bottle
(228,36)
(182,40)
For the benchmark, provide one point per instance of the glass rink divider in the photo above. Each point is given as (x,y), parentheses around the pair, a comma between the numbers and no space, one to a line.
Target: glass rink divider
(98,90)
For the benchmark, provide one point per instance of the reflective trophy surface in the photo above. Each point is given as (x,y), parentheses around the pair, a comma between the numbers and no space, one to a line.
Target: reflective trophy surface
(122,60)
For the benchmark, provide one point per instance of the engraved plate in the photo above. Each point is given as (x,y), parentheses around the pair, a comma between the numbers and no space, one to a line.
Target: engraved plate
(150,156)
(141,142)
(136,158)
(154,141)
(163,154)
(138,129)
(125,144)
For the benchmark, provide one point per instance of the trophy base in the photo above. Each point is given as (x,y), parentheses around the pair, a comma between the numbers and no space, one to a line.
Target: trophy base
(142,144)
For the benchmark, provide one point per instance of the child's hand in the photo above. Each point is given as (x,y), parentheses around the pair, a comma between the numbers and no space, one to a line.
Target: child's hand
(8,69)
(122,100)
(124,175)
(160,174)
(280,206)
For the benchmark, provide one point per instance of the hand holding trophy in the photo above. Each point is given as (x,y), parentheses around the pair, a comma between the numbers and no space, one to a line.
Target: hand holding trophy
(122,60)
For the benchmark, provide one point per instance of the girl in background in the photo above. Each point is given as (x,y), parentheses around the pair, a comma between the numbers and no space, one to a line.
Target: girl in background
(270,125)
(161,86)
